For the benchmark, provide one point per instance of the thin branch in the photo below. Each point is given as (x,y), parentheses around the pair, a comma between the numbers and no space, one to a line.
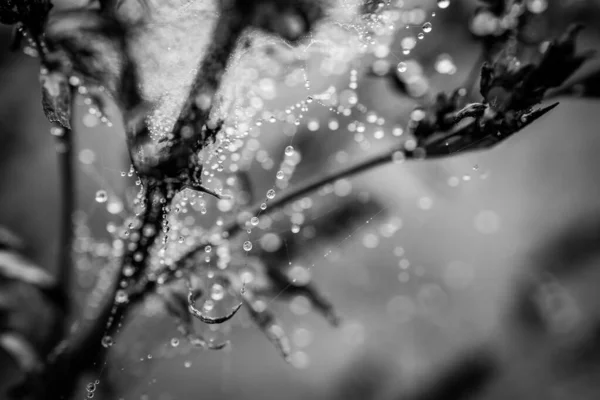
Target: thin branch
(83,350)
(64,150)
(167,159)
(67,190)
(304,189)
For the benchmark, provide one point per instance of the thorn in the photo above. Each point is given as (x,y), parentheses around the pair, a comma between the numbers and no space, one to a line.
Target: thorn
(203,189)
(537,114)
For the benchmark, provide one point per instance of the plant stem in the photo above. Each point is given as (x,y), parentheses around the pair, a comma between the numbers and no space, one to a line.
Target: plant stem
(302,190)
(83,350)
(67,190)
(235,227)
(169,158)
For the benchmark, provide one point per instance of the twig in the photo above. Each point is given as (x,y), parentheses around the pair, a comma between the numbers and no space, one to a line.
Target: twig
(302,190)
(169,158)
(83,350)
(67,189)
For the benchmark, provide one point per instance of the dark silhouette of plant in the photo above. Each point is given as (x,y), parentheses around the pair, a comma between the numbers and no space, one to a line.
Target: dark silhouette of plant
(87,51)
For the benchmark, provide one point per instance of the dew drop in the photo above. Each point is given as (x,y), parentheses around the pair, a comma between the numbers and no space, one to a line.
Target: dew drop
(289,151)
(427,27)
(247,245)
(402,67)
(107,341)
(208,305)
(217,292)
(443,4)
(101,196)
(271,194)
(57,131)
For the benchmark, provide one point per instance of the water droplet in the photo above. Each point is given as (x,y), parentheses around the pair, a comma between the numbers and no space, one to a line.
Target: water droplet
(121,297)
(402,67)
(254,221)
(74,80)
(280,175)
(217,292)
(247,245)
(443,4)
(208,305)
(174,342)
(57,131)
(427,27)
(299,275)
(289,150)
(398,157)
(91,387)
(107,342)
(101,196)
(271,194)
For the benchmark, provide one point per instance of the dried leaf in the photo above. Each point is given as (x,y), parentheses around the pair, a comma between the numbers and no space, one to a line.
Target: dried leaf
(94,46)
(267,323)
(56,98)
(30,309)
(329,229)
(508,86)
(290,19)
(32,13)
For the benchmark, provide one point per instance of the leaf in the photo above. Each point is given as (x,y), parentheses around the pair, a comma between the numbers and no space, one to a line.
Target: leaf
(509,86)
(30,309)
(267,323)
(291,19)
(497,7)
(329,229)
(587,85)
(56,98)
(95,47)
(32,13)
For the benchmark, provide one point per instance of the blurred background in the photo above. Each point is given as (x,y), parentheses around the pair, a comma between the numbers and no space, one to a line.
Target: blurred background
(430,265)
